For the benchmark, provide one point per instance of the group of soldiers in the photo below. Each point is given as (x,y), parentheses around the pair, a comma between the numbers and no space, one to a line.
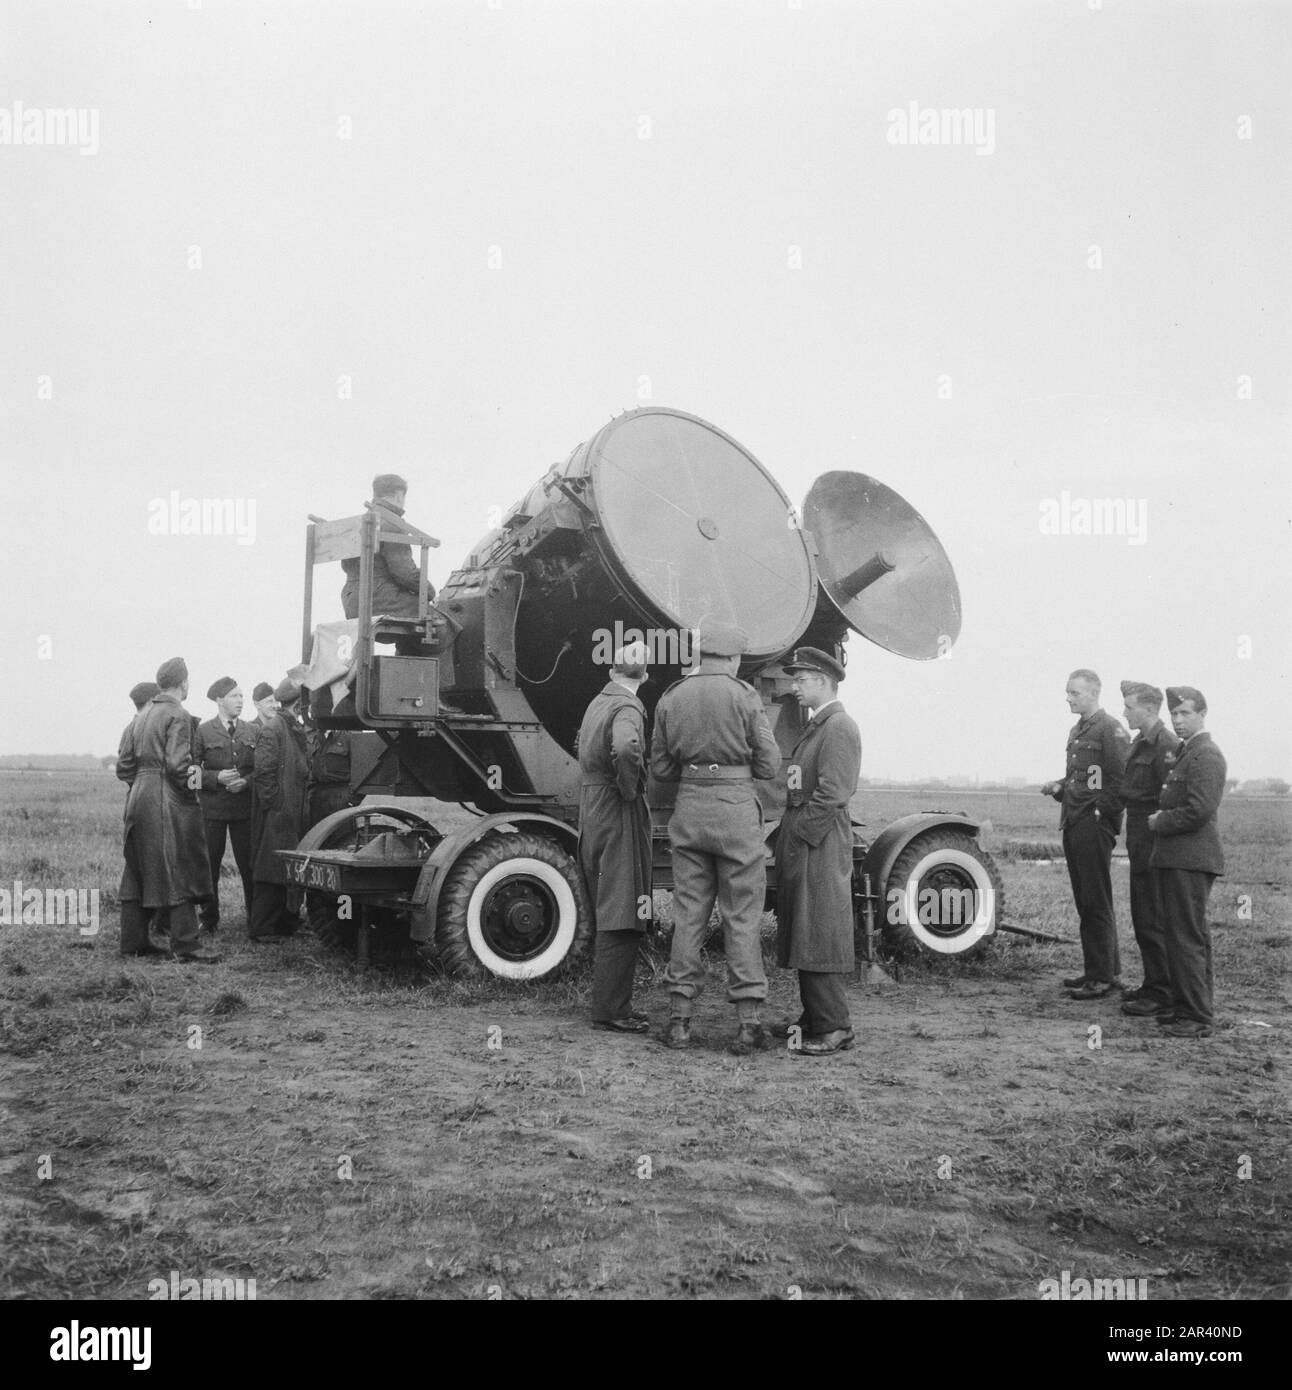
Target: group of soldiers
(195,787)
(712,738)
(1170,786)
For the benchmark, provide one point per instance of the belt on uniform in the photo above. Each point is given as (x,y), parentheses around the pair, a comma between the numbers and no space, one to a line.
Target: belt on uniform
(591,779)
(716,772)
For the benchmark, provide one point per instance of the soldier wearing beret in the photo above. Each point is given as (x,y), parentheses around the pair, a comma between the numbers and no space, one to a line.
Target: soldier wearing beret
(263,699)
(1187,857)
(712,737)
(1146,769)
(279,814)
(1090,793)
(614,836)
(814,858)
(166,866)
(225,749)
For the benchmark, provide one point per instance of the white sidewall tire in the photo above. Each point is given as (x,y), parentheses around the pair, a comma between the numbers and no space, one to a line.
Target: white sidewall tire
(984,920)
(552,878)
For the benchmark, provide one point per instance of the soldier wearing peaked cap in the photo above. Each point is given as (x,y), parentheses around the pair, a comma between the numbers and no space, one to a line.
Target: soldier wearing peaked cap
(614,836)
(225,749)
(1147,765)
(1090,793)
(1187,858)
(166,866)
(712,737)
(814,857)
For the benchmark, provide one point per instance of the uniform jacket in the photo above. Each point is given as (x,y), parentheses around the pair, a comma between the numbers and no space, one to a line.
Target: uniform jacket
(1097,741)
(614,821)
(1147,765)
(712,719)
(1187,828)
(395,578)
(215,752)
(164,830)
(329,757)
(280,810)
(814,923)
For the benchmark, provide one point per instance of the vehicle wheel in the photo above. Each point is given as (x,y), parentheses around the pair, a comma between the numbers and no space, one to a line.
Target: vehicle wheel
(950,896)
(513,905)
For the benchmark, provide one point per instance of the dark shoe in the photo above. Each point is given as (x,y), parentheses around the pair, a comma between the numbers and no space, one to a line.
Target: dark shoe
(195,957)
(1143,1007)
(679,1033)
(838,1041)
(783,1030)
(1187,1028)
(1094,989)
(1136,993)
(633,1023)
(1075,982)
(1166,1016)
(750,1038)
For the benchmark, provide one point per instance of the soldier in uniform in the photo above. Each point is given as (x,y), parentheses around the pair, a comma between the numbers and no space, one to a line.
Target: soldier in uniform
(225,749)
(614,836)
(395,577)
(1146,769)
(712,737)
(1091,817)
(138,944)
(263,699)
(814,858)
(281,772)
(166,866)
(329,772)
(1187,857)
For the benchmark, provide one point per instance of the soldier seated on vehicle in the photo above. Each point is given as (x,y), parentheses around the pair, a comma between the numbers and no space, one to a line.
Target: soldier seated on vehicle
(396,578)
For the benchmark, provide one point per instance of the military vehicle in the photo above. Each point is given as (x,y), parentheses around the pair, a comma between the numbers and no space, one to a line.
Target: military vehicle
(655,524)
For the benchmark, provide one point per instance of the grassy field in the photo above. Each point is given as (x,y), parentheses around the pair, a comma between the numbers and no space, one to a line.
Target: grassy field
(277,1118)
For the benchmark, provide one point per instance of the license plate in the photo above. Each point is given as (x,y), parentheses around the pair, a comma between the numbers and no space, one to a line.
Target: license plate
(308,874)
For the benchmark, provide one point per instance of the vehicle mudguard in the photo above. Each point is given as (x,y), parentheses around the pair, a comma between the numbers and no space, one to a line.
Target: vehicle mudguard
(894,838)
(426,896)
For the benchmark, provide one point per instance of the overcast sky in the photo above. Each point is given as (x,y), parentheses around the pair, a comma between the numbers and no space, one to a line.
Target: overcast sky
(288,246)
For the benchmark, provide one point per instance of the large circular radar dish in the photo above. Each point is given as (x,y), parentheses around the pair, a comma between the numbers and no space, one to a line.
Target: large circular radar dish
(699,530)
(882,567)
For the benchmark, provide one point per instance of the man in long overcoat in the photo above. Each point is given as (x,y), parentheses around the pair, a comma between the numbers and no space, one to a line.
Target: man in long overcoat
(614,836)
(1187,857)
(279,814)
(814,857)
(164,847)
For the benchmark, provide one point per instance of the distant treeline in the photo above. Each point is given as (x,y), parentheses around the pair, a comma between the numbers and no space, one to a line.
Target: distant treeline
(54,762)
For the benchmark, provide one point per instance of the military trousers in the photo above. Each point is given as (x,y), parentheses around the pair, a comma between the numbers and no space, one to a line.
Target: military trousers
(825,1002)
(613,969)
(1146,909)
(270,913)
(182,919)
(1188,942)
(325,799)
(716,834)
(239,836)
(1088,847)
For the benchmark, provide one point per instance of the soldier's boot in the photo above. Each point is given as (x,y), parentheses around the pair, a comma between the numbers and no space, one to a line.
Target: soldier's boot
(751,1036)
(679,1024)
